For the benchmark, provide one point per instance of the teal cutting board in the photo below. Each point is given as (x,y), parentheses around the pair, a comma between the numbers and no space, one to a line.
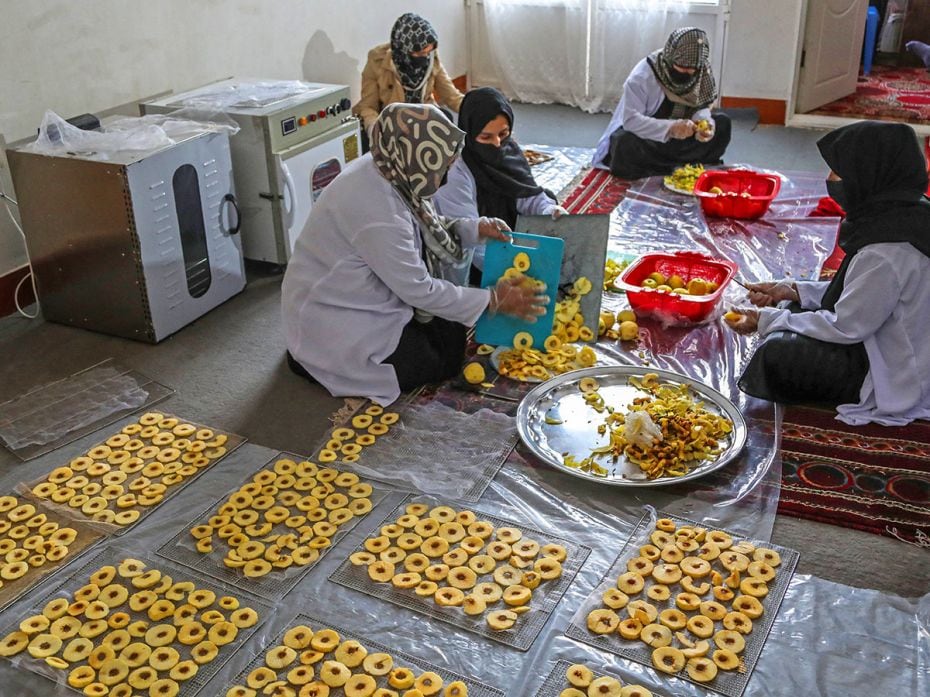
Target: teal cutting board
(545,255)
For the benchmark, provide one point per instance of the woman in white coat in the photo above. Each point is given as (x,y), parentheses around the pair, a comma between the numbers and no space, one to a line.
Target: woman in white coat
(366,311)
(664,117)
(862,341)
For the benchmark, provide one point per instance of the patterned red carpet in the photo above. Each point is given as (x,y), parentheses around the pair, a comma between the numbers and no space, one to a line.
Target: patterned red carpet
(598,192)
(888,93)
(872,478)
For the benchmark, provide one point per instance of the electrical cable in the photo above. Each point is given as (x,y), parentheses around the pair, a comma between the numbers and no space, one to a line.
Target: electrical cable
(7,200)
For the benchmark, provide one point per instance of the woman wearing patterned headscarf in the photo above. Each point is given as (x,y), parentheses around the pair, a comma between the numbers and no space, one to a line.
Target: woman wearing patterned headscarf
(366,310)
(664,119)
(862,340)
(407,69)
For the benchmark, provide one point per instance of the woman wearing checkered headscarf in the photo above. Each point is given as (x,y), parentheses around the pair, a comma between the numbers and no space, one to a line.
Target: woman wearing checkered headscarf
(664,118)
(406,69)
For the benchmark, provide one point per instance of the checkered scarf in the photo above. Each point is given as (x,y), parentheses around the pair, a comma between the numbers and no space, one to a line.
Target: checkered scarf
(413,146)
(689,48)
(412,33)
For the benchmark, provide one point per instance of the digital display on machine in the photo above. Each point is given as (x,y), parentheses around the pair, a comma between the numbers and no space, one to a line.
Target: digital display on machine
(288,126)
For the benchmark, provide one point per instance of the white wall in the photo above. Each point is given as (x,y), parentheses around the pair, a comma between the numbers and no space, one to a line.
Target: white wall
(762,41)
(76,57)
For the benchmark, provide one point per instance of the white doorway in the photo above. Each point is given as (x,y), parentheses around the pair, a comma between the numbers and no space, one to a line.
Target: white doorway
(827,61)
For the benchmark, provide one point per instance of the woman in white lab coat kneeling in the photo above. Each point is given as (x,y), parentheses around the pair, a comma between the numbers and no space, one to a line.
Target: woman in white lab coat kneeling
(366,309)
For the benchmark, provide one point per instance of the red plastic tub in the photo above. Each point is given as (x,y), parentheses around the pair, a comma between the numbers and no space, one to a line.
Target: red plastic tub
(746,194)
(672,307)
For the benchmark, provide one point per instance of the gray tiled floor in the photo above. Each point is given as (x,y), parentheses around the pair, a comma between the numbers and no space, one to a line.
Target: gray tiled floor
(772,147)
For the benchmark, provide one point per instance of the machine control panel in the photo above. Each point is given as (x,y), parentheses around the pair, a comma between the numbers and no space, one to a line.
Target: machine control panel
(296,123)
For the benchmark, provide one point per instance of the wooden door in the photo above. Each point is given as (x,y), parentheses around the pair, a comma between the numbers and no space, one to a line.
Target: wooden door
(832,51)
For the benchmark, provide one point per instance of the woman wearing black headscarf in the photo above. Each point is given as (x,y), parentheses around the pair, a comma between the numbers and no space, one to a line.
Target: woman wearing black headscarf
(492,178)
(664,118)
(407,69)
(861,341)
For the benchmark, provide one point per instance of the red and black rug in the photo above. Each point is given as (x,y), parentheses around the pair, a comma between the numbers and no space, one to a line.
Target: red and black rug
(888,93)
(872,478)
(598,192)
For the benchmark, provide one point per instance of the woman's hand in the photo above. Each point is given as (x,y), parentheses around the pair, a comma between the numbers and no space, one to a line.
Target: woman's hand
(493,229)
(705,135)
(558,212)
(743,320)
(681,129)
(518,298)
(772,293)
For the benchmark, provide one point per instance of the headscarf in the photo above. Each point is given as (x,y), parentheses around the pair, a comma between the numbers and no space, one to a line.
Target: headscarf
(412,33)
(412,146)
(502,175)
(884,179)
(689,48)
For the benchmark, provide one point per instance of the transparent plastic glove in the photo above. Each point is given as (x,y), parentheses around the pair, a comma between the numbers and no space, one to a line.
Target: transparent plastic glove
(772,292)
(681,129)
(558,212)
(493,229)
(517,298)
(742,320)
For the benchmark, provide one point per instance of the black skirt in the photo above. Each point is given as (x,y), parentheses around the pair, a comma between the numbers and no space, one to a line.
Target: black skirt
(793,369)
(632,157)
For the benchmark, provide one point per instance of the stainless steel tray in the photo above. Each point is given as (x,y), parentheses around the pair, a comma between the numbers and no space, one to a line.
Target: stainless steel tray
(577,435)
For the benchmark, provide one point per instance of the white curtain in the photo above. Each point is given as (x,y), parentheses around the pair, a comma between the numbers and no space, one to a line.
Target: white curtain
(575,52)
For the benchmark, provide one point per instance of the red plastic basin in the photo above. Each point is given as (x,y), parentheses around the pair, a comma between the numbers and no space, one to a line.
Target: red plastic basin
(672,307)
(746,194)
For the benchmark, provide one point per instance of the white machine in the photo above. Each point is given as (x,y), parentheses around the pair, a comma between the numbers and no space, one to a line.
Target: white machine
(136,244)
(295,138)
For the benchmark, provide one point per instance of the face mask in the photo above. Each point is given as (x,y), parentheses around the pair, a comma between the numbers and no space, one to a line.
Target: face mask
(419,61)
(680,78)
(837,192)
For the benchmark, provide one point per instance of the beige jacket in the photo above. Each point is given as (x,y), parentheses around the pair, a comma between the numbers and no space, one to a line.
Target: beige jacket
(381,86)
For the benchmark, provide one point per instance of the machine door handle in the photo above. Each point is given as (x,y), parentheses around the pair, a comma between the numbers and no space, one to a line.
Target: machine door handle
(229,198)
(290,196)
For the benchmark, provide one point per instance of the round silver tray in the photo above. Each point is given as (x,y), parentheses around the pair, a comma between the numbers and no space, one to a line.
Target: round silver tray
(559,399)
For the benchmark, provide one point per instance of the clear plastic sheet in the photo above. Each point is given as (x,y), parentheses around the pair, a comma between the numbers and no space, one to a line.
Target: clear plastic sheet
(47,413)
(51,415)
(125,134)
(564,167)
(407,455)
(246,94)
(821,631)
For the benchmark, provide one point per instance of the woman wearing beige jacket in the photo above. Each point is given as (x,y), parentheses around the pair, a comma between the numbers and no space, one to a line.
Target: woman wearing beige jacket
(405,70)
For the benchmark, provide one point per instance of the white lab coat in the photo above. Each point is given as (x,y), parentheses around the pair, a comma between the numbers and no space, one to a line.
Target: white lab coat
(458,198)
(355,276)
(886,305)
(642,97)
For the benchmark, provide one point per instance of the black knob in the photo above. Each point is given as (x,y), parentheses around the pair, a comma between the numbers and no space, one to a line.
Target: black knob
(346,103)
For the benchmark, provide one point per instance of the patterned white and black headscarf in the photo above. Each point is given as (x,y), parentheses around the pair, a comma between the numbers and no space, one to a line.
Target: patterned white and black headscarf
(412,33)
(413,146)
(689,48)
